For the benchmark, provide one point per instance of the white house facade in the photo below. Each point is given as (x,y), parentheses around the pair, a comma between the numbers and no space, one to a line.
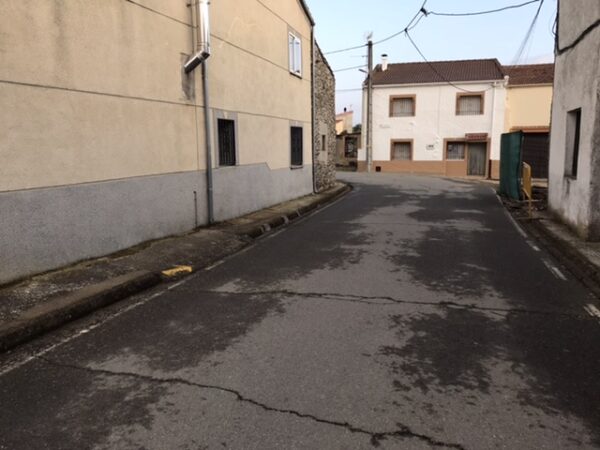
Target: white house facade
(441,118)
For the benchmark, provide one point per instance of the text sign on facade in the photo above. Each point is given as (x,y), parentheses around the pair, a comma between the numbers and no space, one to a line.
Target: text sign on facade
(476,136)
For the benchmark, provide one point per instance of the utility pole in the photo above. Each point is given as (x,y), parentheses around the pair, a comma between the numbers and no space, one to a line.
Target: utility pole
(370,108)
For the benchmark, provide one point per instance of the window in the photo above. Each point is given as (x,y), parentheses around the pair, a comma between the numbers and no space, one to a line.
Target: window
(469,104)
(573,138)
(401,151)
(296,138)
(455,151)
(226,130)
(402,106)
(295,54)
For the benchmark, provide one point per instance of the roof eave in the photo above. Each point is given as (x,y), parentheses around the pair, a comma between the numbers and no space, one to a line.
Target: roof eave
(307,12)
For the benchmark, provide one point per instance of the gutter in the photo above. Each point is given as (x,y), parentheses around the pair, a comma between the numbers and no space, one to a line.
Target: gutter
(313,103)
(200,58)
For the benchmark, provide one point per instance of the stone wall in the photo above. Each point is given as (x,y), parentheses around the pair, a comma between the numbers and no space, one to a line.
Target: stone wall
(324,133)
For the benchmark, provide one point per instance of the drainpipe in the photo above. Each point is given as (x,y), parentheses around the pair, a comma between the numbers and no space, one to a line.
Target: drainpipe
(489,175)
(202,53)
(208,140)
(313,102)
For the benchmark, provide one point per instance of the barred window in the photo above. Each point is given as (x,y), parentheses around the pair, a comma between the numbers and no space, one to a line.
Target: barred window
(226,132)
(402,151)
(402,106)
(455,151)
(469,104)
(296,142)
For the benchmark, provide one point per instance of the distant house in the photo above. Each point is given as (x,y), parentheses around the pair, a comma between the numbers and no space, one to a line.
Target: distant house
(528,107)
(343,121)
(443,117)
(574,179)
(347,149)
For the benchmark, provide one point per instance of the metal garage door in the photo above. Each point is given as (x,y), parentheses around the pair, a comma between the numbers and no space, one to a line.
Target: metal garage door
(535,153)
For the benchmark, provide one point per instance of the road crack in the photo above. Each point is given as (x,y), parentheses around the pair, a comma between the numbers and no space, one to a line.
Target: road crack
(387,300)
(376,437)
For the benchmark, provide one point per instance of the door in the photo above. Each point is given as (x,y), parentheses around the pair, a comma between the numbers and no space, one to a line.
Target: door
(477,159)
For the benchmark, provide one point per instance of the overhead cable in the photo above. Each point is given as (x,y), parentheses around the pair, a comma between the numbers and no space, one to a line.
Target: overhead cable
(479,13)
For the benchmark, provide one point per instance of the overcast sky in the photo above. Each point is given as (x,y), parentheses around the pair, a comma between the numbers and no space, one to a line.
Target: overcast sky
(345,23)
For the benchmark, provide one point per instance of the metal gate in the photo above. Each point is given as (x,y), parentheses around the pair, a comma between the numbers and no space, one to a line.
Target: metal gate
(510,165)
(536,152)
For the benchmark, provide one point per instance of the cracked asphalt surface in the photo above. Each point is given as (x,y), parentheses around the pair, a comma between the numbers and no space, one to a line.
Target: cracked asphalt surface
(411,314)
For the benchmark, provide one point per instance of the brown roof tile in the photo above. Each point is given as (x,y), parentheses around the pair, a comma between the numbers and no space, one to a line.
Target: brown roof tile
(439,71)
(530,74)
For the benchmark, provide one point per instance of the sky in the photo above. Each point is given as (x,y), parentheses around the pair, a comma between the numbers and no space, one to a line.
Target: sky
(345,23)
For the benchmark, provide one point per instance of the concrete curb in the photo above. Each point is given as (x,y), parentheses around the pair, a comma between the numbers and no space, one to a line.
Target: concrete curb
(57,312)
(53,314)
(256,230)
(565,253)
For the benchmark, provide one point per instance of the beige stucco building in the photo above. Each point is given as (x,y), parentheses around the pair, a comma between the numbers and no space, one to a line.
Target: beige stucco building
(528,107)
(103,135)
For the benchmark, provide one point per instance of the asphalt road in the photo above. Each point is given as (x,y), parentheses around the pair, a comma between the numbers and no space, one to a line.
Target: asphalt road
(410,314)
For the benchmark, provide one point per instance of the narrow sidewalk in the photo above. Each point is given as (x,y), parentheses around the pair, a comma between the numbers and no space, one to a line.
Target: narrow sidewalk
(44,302)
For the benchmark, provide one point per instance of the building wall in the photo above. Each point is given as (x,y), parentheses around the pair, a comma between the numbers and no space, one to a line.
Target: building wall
(528,107)
(577,85)
(344,122)
(102,135)
(324,135)
(434,122)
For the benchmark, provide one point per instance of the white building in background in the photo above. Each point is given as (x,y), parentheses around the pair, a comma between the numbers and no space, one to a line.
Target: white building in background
(442,118)
(574,178)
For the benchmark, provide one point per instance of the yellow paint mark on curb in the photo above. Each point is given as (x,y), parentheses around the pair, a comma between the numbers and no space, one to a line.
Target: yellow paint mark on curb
(177,271)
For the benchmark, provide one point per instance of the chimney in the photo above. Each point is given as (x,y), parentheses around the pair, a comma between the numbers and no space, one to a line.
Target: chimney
(384,62)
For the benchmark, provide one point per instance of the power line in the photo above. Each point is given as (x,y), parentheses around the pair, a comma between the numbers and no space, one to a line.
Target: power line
(345,49)
(421,11)
(579,38)
(350,68)
(478,13)
(437,71)
(349,90)
(528,35)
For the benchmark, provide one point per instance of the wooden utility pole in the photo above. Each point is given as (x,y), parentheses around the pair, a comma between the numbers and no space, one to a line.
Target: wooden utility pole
(370,108)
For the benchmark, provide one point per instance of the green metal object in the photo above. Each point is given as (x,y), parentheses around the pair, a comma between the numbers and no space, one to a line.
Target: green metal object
(510,165)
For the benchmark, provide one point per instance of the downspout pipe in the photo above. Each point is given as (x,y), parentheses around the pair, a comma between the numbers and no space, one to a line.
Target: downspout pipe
(200,58)
(203,36)
(208,141)
(313,103)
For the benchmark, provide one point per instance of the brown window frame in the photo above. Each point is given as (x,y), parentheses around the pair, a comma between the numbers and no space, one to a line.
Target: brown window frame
(413,97)
(455,141)
(402,141)
(471,94)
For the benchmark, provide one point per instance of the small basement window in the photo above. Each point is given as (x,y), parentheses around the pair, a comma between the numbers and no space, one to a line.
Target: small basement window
(295,54)
(226,136)
(296,146)
(573,138)
(469,104)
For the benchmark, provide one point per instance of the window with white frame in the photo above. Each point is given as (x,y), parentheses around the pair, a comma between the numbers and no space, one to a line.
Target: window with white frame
(295,53)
